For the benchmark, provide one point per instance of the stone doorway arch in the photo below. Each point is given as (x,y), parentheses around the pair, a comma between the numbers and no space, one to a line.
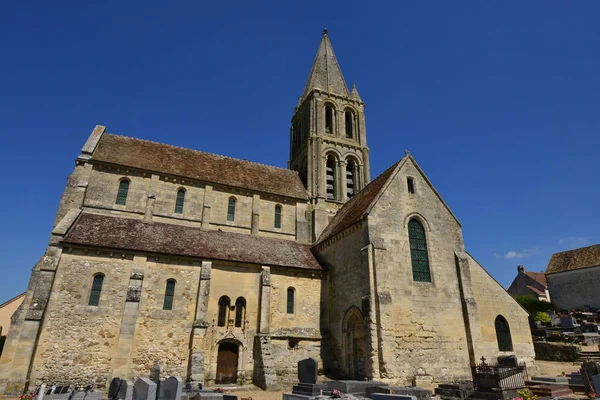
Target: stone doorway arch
(354,344)
(227,362)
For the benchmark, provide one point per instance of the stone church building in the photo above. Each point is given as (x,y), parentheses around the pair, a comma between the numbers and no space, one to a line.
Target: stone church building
(227,271)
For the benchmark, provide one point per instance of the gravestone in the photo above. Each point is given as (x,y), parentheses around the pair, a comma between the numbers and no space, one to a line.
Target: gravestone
(155,374)
(385,396)
(229,397)
(307,377)
(41,392)
(567,321)
(144,389)
(114,388)
(126,390)
(170,389)
(589,328)
(596,383)
(507,361)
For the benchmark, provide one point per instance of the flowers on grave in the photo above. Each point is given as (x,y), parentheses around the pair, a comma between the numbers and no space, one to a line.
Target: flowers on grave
(336,393)
(27,396)
(592,395)
(524,394)
(218,390)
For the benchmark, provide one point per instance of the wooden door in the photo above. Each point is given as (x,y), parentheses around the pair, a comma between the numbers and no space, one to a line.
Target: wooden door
(227,362)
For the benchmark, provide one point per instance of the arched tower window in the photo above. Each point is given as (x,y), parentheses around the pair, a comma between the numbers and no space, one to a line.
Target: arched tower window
(122,192)
(349,117)
(240,312)
(169,294)
(231,209)
(418,251)
(328,119)
(290,300)
(351,183)
(277,222)
(96,290)
(503,334)
(330,178)
(179,201)
(224,304)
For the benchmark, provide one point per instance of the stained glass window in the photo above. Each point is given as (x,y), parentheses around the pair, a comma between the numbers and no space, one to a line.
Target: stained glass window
(169,294)
(278,217)
(418,252)
(290,300)
(179,202)
(122,193)
(231,209)
(96,290)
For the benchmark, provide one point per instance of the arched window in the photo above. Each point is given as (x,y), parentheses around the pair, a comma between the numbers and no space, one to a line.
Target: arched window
(328,119)
(290,300)
(231,209)
(349,117)
(122,192)
(179,202)
(240,312)
(96,290)
(277,222)
(418,252)
(330,178)
(223,310)
(169,293)
(503,334)
(350,179)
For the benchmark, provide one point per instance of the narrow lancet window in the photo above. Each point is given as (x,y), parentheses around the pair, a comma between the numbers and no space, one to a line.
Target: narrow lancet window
(290,300)
(223,310)
(329,119)
(240,312)
(418,252)
(179,201)
(96,290)
(410,183)
(122,193)
(169,294)
(231,209)
(349,124)
(277,222)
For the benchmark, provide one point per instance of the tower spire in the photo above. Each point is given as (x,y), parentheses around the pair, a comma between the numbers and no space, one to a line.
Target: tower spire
(325,73)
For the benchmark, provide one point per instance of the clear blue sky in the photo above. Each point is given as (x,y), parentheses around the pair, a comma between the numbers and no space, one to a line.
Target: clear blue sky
(497,101)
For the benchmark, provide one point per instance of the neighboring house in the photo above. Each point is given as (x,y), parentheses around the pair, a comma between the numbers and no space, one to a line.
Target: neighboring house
(223,270)
(574,278)
(7,309)
(529,284)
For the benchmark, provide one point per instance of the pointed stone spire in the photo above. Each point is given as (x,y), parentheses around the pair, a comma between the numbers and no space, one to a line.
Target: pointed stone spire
(354,94)
(326,73)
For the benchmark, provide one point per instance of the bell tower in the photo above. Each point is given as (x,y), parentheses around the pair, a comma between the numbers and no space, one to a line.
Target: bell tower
(328,141)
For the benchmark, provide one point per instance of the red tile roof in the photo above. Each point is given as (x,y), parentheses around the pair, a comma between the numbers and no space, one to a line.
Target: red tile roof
(539,277)
(574,259)
(210,168)
(133,234)
(533,289)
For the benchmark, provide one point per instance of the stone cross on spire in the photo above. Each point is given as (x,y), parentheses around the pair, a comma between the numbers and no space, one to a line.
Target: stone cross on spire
(326,74)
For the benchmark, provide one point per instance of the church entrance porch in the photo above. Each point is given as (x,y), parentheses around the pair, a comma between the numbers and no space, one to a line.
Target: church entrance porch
(227,363)
(354,337)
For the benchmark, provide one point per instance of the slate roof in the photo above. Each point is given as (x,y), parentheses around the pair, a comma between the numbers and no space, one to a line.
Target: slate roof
(132,234)
(353,210)
(206,167)
(574,259)
(539,277)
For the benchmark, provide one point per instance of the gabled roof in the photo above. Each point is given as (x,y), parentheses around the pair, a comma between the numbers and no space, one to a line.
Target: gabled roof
(539,277)
(206,167)
(537,291)
(326,73)
(365,199)
(133,234)
(574,259)
(7,302)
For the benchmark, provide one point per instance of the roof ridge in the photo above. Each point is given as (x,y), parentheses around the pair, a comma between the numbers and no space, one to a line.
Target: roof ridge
(204,152)
(579,248)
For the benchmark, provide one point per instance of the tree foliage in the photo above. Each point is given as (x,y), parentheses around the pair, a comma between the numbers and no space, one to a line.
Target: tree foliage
(533,305)
(541,317)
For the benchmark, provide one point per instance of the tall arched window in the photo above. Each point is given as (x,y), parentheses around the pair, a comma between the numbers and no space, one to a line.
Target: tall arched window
(350,179)
(223,310)
(418,251)
(179,201)
(503,334)
(328,119)
(122,192)
(277,222)
(240,312)
(231,209)
(169,294)
(349,117)
(330,178)
(290,300)
(96,290)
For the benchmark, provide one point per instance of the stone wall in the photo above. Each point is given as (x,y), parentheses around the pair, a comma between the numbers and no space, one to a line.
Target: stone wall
(575,289)
(556,352)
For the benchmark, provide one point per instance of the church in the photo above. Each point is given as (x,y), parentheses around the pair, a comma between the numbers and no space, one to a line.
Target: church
(225,271)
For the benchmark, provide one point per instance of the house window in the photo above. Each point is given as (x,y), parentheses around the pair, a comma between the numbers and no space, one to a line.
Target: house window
(329,119)
(349,123)
(277,223)
(290,300)
(169,293)
(231,209)
(179,202)
(503,334)
(410,183)
(418,251)
(96,290)
(240,312)
(122,192)
(330,178)
(223,310)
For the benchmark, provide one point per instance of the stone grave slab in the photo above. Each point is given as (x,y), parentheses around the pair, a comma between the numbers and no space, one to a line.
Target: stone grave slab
(229,397)
(114,388)
(384,396)
(126,391)
(461,390)
(144,389)
(596,382)
(353,386)
(307,370)
(170,388)
(307,381)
